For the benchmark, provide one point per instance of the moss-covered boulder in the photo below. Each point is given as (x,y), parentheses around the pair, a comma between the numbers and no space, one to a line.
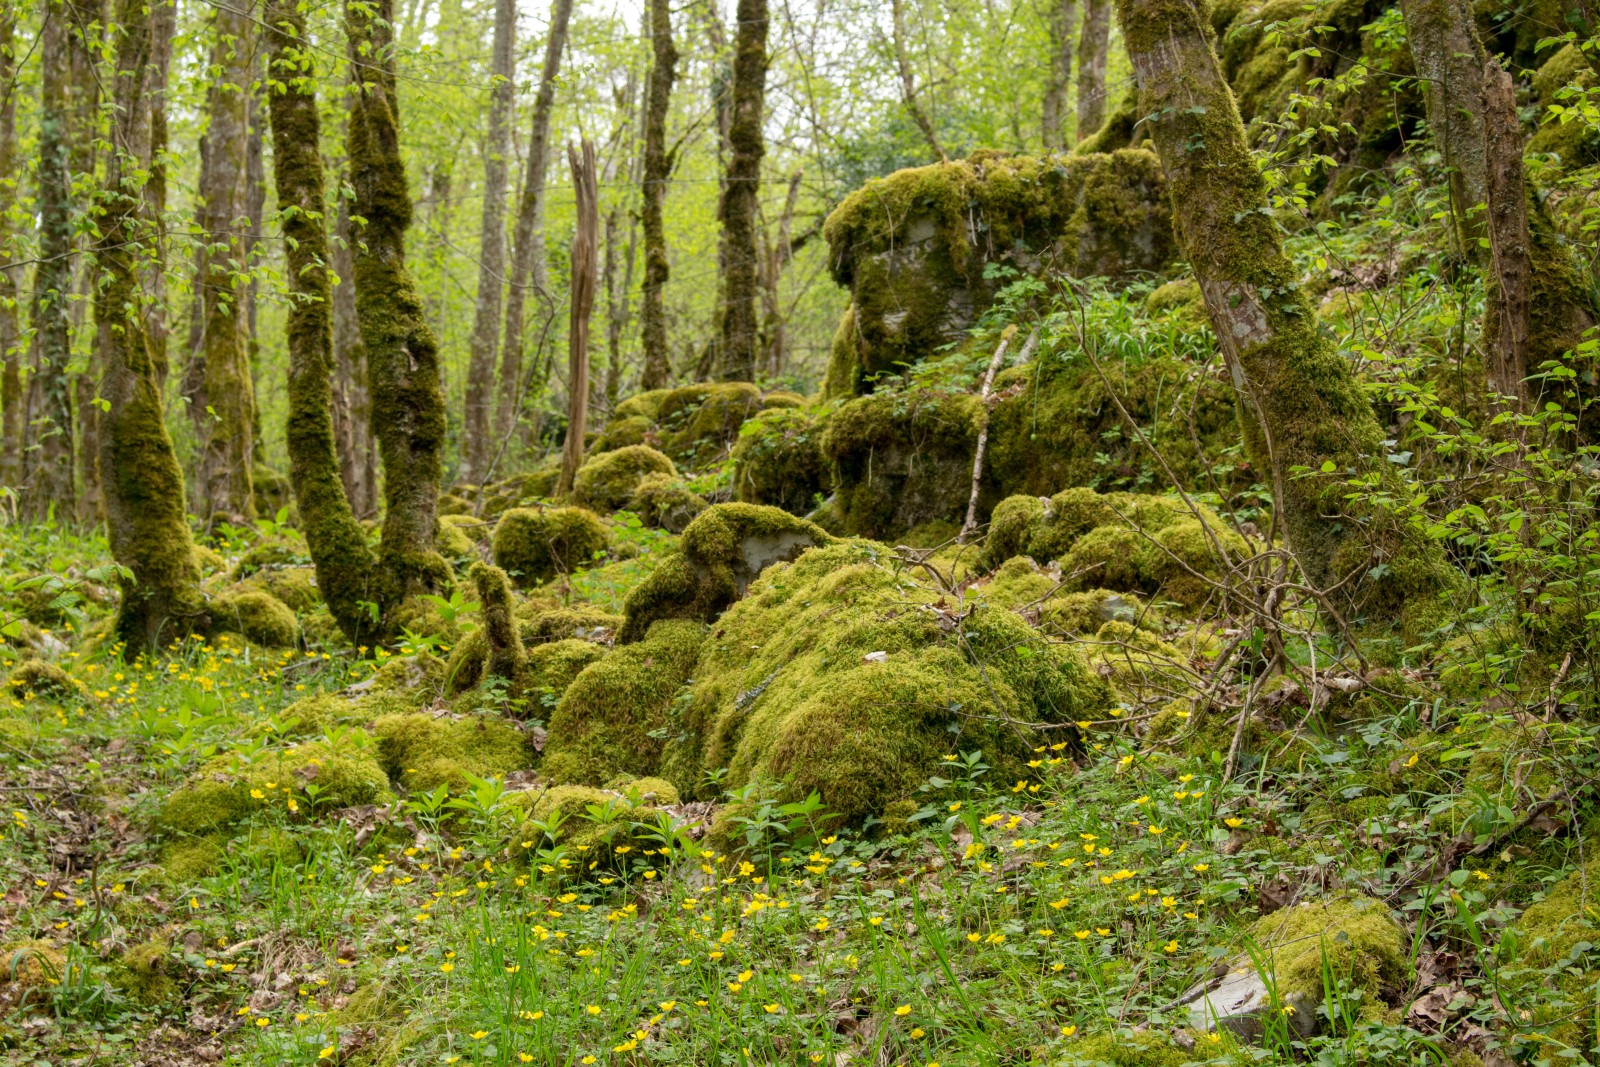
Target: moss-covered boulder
(778,460)
(456,537)
(1353,936)
(29,969)
(538,624)
(145,972)
(914,248)
(610,717)
(720,553)
(534,545)
(296,587)
(664,501)
(284,548)
(226,790)
(1576,143)
(607,482)
(37,677)
(840,673)
(256,615)
(1120,542)
(901,460)
(698,423)
(423,751)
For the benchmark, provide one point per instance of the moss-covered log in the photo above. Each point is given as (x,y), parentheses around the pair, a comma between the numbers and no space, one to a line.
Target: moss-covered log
(339,548)
(144,493)
(402,356)
(1302,408)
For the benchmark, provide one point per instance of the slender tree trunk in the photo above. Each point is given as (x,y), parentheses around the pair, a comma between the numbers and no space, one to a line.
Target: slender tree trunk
(163,24)
(1301,406)
(255,209)
(585,239)
(908,82)
(223,413)
(527,257)
(144,496)
(1539,304)
(352,419)
(11,398)
(476,435)
(1093,44)
(51,469)
(658,163)
(740,333)
(402,356)
(89,27)
(1063,32)
(1449,61)
(345,564)
(775,255)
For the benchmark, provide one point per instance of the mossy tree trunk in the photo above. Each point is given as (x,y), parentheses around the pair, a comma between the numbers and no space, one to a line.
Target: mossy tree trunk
(1539,304)
(1303,412)
(1449,61)
(739,334)
(86,56)
(345,564)
(352,412)
(479,408)
(163,24)
(658,162)
(527,253)
(50,471)
(402,357)
(223,408)
(10,331)
(585,239)
(1093,44)
(144,495)
(1053,113)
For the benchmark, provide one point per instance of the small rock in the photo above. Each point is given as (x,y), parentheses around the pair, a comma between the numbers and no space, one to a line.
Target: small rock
(875,657)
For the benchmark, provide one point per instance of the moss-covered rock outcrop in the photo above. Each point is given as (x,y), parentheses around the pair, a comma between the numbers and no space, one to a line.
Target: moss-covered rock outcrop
(423,751)
(913,247)
(667,502)
(839,673)
(257,615)
(226,791)
(539,623)
(534,545)
(608,481)
(721,552)
(778,460)
(695,425)
(609,719)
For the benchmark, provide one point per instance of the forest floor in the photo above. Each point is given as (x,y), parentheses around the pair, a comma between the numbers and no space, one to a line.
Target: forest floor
(1058,918)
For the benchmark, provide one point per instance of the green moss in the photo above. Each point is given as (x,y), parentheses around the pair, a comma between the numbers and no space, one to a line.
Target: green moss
(608,720)
(296,587)
(185,861)
(258,616)
(534,545)
(41,678)
(901,460)
(454,539)
(18,735)
(664,501)
(536,626)
(221,793)
(1355,935)
(778,460)
(314,715)
(607,482)
(785,696)
(646,405)
(625,431)
(654,791)
(285,549)
(423,752)
(1181,297)
(29,968)
(554,665)
(1125,1048)
(913,246)
(721,552)
(143,973)
(506,657)
(1085,612)
(698,423)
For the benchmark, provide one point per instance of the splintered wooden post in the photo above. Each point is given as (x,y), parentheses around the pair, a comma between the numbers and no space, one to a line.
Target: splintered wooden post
(585,241)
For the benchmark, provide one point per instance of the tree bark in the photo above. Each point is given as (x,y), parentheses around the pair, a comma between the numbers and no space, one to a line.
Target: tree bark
(1307,426)
(51,483)
(144,495)
(776,251)
(585,240)
(352,412)
(345,564)
(1093,44)
(908,81)
(88,74)
(1449,61)
(10,331)
(476,438)
(163,24)
(224,411)
(527,256)
(1063,31)
(658,163)
(1539,306)
(402,356)
(739,335)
